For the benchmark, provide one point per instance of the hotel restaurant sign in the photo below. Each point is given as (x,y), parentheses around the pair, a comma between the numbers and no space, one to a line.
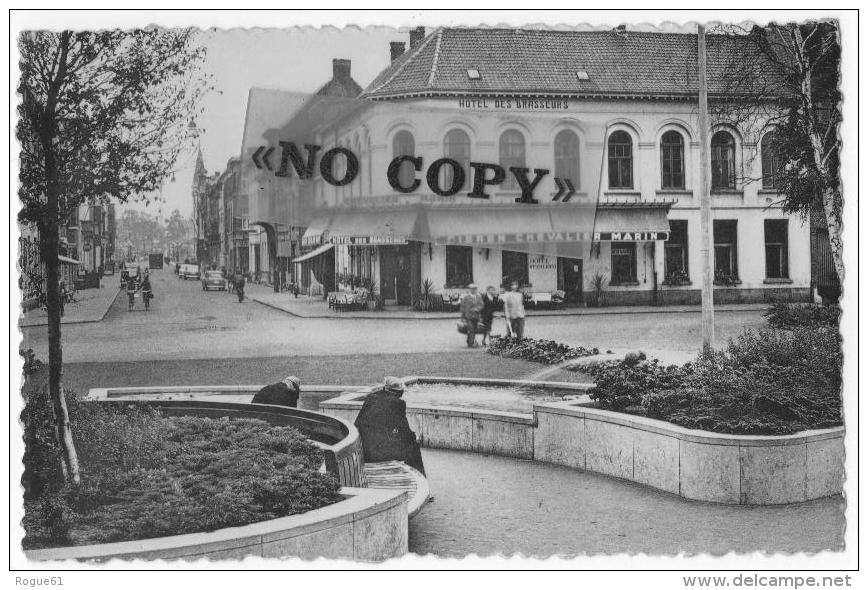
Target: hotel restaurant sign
(547,237)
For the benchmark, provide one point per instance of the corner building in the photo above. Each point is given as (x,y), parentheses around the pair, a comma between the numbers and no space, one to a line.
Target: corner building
(615,112)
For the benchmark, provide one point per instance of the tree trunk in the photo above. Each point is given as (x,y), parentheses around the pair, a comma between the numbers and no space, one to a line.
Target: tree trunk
(51,240)
(832,208)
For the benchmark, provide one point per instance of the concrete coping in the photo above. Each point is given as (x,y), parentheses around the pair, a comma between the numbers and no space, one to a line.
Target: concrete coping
(352,400)
(582,409)
(357,504)
(110,392)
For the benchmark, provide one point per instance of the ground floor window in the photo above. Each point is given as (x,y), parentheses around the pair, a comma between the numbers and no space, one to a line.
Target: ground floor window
(361,261)
(676,270)
(623,263)
(777,257)
(725,251)
(459,266)
(514,267)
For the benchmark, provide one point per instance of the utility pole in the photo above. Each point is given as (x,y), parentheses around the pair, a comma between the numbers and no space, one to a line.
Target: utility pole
(707,248)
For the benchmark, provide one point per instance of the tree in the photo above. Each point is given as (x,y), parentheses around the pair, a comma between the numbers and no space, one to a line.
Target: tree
(787,77)
(103,114)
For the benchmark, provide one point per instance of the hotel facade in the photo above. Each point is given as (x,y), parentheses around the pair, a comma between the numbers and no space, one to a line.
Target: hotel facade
(612,116)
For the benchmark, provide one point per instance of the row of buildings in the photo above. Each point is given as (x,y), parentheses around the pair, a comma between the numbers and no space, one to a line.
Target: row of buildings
(613,112)
(87,244)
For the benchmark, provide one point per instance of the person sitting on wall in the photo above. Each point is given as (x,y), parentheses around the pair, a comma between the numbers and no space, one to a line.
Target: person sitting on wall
(284,393)
(383,427)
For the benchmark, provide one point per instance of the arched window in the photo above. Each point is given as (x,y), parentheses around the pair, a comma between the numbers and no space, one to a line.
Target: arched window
(672,160)
(722,161)
(620,160)
(404,145)
(456,145)
(567,156)
(511,155)
(771,160)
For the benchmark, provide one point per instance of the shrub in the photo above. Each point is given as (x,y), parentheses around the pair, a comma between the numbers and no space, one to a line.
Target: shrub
(799,315)
(547,352)
(765,382)
(144,476)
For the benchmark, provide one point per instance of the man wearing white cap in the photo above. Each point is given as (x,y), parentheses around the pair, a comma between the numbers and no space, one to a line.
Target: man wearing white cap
(284,393)
(383,427)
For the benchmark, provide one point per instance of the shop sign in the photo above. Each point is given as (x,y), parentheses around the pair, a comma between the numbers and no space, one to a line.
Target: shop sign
(541,263)
(637,236)
(364,240)
(519,237)
(513,104)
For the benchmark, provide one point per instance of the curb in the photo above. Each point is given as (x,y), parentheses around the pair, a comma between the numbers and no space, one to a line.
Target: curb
(83,321)
(530,313)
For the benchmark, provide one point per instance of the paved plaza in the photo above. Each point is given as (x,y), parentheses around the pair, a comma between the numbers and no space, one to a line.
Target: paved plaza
(194,337)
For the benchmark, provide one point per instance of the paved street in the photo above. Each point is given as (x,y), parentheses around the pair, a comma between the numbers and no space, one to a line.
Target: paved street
(187,323)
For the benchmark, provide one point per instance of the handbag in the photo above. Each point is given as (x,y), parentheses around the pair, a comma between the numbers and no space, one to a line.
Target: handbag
(462,327)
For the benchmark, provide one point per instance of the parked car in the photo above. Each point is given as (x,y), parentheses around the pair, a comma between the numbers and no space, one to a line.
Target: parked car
(189,271)
(214,279)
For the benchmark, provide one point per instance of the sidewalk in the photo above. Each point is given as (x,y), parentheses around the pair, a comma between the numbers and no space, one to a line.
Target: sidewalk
(316,307)
(91,305)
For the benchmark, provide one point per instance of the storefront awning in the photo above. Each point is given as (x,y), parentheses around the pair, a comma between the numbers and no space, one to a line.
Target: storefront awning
(314,253)
(631,224)
(67,260)
(396,226)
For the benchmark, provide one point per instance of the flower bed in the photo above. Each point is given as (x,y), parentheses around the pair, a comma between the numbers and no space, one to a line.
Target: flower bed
(145,475)
(547,352)
(766,382)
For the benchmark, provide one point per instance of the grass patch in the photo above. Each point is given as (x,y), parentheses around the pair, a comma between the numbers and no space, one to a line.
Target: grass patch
(145,475)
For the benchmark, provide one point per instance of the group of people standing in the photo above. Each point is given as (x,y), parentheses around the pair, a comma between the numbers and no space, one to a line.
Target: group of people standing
(478,309)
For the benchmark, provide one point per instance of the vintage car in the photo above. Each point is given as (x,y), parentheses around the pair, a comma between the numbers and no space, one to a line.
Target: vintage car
(189,271)
(214,279)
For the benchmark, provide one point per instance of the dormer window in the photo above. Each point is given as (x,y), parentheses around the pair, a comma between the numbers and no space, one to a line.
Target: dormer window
(582,75)
(473,74)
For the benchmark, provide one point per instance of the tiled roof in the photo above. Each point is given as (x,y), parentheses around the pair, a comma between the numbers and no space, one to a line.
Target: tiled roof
(546,62)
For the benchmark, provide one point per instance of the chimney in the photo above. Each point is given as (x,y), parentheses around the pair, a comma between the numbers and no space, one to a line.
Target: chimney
(416,36)
(341,69)
(396,49)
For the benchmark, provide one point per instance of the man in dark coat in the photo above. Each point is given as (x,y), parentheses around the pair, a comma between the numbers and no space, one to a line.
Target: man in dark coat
(383,426)
(284,393)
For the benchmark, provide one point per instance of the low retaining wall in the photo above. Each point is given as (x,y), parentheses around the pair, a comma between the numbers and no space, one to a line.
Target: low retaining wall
(342,446)
(698,465)
(368,525)
(441,427)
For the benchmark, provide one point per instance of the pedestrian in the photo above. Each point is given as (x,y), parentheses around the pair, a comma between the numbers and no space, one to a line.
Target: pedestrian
(384,429)
(471,312)
(230,281)
(513,309)
(284,393)
(490,304)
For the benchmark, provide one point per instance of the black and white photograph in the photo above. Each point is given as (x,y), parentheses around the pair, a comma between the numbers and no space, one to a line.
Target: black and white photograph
(434,289)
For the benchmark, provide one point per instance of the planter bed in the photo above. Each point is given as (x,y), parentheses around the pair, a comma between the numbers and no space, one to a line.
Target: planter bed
(695,464)
(364,524)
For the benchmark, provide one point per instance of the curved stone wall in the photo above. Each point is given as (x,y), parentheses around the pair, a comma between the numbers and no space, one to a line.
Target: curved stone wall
(368,525)
(698,465)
